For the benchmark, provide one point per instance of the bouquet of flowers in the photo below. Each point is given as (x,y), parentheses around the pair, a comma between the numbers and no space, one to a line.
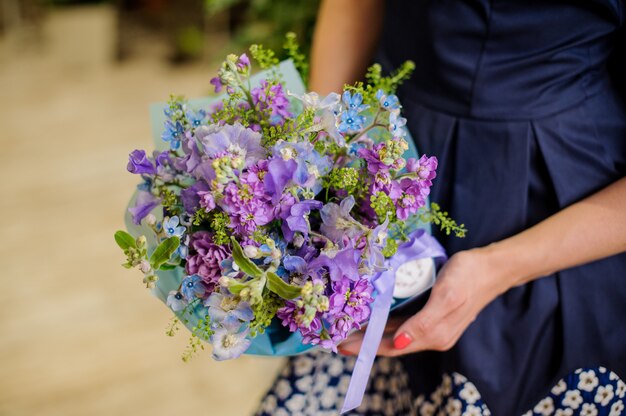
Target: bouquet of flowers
(268,223)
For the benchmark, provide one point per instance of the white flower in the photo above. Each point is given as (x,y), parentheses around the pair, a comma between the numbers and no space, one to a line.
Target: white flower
(376,402)
(469,393)
(621,389)
(617,408)
(280,412)
(343,384)
(545,407)
(329,397)
(453,407)
(458,379)
(564,412)
(380,384)
(296,402)
(437,396)
(304,384)
(303,365)
(529,413)
(335,367)
(446,385)
(613,376)
(282,389)
(472,410)
(269,403)
(589,409)
(322,380)
(588,380)
(604,394)
(383,365)
(427,409)
(418,401)
(601,370)
(572,399)
(560,387)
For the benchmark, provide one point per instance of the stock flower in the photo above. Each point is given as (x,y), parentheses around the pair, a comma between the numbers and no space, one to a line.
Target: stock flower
(425,168)
(204,258)
(171,227)
(412,197)
(271,97)
(139,163)
(228,343)
(176,301)
(192,287)
(247,204)
(349,306)
(217,83)
(191,196)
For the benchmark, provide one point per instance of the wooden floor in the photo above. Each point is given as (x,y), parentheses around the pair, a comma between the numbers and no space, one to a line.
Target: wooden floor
(78,333)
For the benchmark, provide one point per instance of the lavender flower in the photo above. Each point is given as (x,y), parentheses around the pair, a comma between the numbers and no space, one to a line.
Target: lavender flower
(337,221)
(297,220)
(192,287)
(138,163)
(205,257)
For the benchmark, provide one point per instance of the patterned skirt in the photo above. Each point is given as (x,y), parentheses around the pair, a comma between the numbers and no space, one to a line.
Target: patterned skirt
(315,385)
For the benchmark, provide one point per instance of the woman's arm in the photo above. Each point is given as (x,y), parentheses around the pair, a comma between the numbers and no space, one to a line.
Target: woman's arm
(344,41)
(585,231)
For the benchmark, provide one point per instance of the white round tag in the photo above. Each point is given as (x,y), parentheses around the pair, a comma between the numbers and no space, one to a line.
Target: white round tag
(413,277)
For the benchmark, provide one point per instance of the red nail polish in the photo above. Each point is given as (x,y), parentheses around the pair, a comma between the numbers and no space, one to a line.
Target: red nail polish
(402,341)
(343,352)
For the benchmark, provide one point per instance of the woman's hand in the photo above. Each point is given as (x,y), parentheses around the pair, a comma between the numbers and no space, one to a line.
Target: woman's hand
(466,284)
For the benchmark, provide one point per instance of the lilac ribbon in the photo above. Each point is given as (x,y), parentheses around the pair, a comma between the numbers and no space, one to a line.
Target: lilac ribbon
(420,245)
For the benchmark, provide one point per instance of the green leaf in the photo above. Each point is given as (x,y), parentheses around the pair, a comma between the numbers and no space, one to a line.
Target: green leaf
(163,252)
(245,264)
(167,266)
(124,240)
(281,288)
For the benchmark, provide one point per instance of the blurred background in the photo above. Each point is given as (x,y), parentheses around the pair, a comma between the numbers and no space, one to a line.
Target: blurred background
(79,334)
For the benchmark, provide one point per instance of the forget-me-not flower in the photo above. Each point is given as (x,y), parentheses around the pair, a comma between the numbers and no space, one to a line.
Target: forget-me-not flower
(171,227)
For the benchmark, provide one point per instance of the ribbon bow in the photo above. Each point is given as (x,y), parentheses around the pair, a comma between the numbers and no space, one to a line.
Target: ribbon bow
(420,245)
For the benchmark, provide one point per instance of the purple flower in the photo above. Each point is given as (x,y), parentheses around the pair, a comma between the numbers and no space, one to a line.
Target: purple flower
(235,141)
(376,241)
(144,203)
(176,301)
(217,83)
(425,167)
(192,287)
(349,306)
(204,258)
(207,200)
(243,63)
(343,263)
(413,197)
(139,163)
(227,310)
(271,97)
(228,343)
(191,196)
(297,220)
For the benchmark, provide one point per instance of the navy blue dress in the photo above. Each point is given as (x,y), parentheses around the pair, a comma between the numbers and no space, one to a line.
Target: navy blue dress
(519,100)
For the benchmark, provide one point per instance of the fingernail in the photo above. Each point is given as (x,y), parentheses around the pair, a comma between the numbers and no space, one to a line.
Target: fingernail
(343,352)
(402,341)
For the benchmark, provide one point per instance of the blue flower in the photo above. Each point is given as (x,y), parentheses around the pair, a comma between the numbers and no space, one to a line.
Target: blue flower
(171,228)
(229,344)
(354,102)
(388,102)
(196,118)
(176,301)
(350,121)
(227,310)
(192,287)
(229,268)
(396,124)
(173,134)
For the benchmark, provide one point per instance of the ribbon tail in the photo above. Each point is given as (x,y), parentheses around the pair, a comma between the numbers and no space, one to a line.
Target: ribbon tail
(369,347)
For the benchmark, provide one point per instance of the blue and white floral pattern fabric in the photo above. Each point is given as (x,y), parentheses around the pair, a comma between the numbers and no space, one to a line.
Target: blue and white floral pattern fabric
(315,384)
